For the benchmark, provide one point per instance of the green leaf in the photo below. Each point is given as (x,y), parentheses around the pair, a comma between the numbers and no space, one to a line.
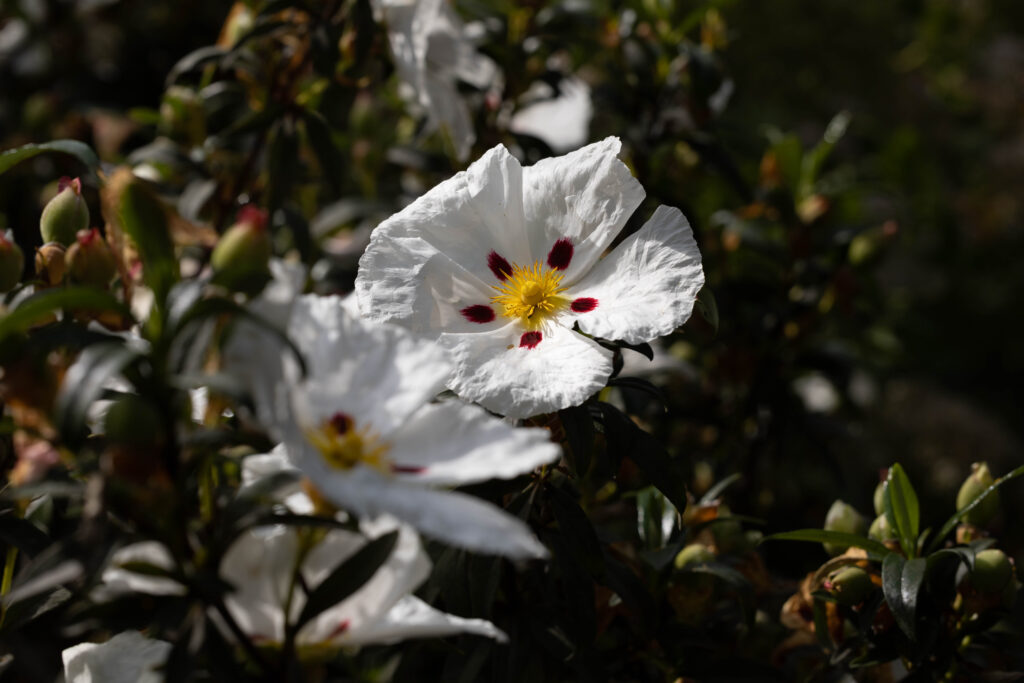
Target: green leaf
(15,531)
(41,305)
(282,163)
(901,585)
(955,519)
(79,150)
(322,143)
(660,469)
(193,60)
(577,531)
(708,307)
(902,510)
(875,549)
(719,487)
(144,219)
(892,585)
(347,577)
(579,433)
(84,383)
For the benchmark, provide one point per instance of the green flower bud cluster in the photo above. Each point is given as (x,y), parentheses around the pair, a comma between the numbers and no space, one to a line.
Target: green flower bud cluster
(240,259)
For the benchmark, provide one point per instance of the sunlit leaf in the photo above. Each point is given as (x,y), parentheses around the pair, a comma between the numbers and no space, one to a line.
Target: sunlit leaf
(901,508)
(79,150)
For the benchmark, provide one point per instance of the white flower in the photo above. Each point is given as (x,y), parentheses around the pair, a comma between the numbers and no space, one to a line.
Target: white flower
(128,657)
(432,53)
(259,564)
(500,262)
(361,428)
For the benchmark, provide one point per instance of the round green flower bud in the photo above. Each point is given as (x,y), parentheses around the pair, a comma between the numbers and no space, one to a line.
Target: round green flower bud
(133,421)
(880,494)
(90,260)
(979,480)
(992,571)
(12,263)
(51,263)
(65,214)
(240,259)
(850,585)
(844,518)
(728,532)
(881,530)
(695,553)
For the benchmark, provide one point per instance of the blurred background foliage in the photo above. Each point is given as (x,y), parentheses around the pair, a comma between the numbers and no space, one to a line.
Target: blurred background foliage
(852,172)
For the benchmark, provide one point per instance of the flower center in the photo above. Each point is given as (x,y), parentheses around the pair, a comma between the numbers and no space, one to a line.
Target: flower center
(530,294)
(343,445)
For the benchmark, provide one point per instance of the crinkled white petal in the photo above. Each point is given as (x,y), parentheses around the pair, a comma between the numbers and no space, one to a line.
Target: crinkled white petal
(128,657)
(451,517)
(456,444)
(413,618)
(117,581)
(258,467)
(646,287)
(585,196)
(378,374)
(437,248)
(563,370)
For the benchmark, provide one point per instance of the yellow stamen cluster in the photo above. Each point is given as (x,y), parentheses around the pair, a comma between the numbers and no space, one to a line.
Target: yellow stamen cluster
(530,294)
(344,446)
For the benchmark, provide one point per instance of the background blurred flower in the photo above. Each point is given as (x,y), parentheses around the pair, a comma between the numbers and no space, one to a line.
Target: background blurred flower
(128,657)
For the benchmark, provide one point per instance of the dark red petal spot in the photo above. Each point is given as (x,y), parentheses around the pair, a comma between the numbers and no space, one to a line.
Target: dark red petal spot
(408,469)
(339,629)
(584,304)
(560,254)
(530,339)
(499,266)
(341,423)
(478,313)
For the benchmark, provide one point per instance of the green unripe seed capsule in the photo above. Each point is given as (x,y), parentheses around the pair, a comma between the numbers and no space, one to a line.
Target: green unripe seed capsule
(842,517)
(979,480)
(66,214)
(12,263)
(879,499)
(694,553)
(90,260)
(240,259)
(992,571)
(881,530)
(850,585)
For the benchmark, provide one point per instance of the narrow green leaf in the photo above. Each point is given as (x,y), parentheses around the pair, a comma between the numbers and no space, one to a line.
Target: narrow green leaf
(144,219)
(659,468)
(719,487)
(902,510)
(79,150)
(577,531)
(875,549)
(40,305)
(955,519)
(892,589)
(193,60)
(85,382)
(911,579)
(348,577)
(15,531)
(322,144)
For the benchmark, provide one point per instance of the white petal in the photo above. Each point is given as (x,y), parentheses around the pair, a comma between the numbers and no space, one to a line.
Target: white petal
(128,657)
(259,566)
(647,286)
(563,370)
(258,467)
(455,518)
(465,218)
(562,122)
(375,373)
(404,570)
(585,196)
(413,618)
(457,444)
(117,581)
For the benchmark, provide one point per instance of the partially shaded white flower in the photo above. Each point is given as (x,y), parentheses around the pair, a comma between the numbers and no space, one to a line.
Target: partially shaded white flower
(259,564)
(361,427)
(501,262)
(432,53)
(128,657)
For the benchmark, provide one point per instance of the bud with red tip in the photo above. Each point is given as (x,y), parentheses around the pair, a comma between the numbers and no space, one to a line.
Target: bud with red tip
(90,260)
(65,214)
(51,263)
(240,259)
(12,262)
